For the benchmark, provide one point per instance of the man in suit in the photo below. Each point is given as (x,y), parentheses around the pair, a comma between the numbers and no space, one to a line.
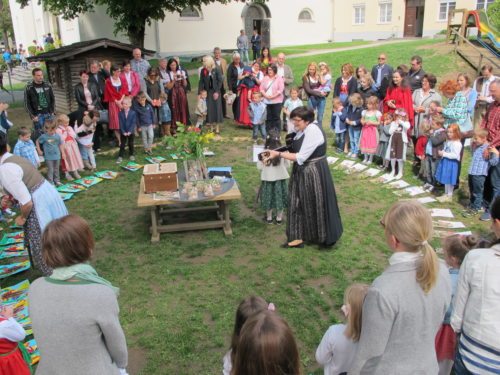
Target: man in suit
(382,74)
(221,64)
(286,73)
(416,73)
(256,40)
(96,77)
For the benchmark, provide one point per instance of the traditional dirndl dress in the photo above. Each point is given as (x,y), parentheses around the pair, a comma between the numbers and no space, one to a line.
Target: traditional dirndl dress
(369,139)
(313,213)
(447,171)
(47,206)
(73,160)
(12,361)
(274,195)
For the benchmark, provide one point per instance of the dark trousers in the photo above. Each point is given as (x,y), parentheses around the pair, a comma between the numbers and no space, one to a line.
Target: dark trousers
(340,141)
(476,188)
(459,367)
(224,106)
(492,185)
(273,120)
(431,166)
(256,54)
(124,140)
(236,108)
(97,137)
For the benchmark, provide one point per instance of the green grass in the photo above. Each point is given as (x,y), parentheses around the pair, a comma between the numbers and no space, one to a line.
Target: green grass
(289,50)
(178,297)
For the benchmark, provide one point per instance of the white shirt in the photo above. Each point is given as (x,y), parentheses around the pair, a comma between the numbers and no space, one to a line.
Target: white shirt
(227,365)
(336,352)
(281,71)
(485,90)
(274,172)
(404,257)
(313,137)
(452,150)
(11,179)
(128,77)
(477,303)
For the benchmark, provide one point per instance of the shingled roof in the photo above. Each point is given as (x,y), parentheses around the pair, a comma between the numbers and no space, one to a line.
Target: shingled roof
(81,47)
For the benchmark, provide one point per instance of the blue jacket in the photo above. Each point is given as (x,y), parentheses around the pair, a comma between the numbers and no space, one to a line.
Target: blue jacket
(165,113)
(352,113)
(145,114)
(127,125)
(338,115)
(4,123)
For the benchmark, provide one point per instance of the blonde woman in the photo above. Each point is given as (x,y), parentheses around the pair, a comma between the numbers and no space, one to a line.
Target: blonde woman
(211,81)
(340,342)
(311,83)
(405,306)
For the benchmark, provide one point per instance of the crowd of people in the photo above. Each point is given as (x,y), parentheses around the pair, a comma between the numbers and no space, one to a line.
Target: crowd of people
(418,316)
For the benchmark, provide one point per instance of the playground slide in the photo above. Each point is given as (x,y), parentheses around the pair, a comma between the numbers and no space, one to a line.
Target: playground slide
(479,19)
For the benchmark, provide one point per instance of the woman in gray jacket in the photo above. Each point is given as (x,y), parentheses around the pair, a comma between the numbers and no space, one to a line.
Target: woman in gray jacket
(405,306)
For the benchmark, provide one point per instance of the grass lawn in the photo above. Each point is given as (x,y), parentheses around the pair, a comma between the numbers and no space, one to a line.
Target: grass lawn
(178,297)
(312,47)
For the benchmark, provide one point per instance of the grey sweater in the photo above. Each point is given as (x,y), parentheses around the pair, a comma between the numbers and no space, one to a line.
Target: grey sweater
(77,328)
(400,323)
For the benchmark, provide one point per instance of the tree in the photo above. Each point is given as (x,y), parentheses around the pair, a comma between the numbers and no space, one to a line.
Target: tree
(131,16)
(493,12)
(5,22)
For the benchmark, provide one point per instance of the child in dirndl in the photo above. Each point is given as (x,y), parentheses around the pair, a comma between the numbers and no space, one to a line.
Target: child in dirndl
(13,357)
(370,119)
(274,186)
(396,148)
(448,167)
(383,139)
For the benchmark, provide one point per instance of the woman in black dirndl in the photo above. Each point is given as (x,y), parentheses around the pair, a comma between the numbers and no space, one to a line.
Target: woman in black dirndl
(313,214)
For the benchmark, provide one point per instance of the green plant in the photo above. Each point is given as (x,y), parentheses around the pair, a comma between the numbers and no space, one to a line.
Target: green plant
(493,13)
(188,142)
(49,47)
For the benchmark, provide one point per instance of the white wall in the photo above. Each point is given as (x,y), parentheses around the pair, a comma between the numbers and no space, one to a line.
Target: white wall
(69,30)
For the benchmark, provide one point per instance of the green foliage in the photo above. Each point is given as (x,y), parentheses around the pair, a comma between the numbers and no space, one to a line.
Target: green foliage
(32,50)
(188,142)
(493,13)
(6,28)
(130,16)
(49,47)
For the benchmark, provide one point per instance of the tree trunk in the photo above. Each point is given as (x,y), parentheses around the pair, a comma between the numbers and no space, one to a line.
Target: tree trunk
(5,36)
(136,35)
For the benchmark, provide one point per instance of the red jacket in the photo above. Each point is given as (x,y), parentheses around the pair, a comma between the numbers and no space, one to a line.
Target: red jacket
(403,99)
(136,83)
(420,145)
(110,92)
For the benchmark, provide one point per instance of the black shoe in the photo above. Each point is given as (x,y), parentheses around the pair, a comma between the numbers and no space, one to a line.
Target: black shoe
(269,221)
(287,246)
(279,222)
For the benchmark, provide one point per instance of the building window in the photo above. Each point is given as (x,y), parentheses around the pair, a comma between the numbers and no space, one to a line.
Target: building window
(305,15)
(190,13)
(483,4)
(359,14)
(445,7)
(385,12)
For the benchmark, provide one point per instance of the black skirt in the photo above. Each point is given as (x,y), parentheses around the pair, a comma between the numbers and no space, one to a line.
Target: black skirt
(313,213)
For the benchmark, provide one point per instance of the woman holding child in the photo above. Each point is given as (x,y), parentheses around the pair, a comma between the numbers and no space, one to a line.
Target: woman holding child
(422,99)
(313,213)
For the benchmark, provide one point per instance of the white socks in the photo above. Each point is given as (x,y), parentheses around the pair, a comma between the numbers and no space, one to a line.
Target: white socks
(448,189)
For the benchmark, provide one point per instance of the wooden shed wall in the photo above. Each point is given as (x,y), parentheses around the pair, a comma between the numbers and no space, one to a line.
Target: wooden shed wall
(65,74)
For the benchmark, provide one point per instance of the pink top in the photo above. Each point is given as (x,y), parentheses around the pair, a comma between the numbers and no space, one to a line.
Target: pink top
(272,86)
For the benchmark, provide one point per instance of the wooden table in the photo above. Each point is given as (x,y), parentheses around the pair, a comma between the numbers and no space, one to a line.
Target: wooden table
(164,207)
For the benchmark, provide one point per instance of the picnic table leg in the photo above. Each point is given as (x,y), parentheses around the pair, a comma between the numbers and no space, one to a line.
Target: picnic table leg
(155,236)
(227,221)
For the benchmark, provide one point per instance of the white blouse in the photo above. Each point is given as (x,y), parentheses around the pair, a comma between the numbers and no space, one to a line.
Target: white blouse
(11,179)
(313,137)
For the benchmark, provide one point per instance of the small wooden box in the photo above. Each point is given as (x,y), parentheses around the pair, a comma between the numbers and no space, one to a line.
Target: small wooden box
(160,177)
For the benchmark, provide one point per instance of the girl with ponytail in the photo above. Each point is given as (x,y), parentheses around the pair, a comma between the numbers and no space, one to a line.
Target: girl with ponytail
(405,306)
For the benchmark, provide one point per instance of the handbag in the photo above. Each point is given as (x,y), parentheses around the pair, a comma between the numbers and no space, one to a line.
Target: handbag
(103,116)
(302,92)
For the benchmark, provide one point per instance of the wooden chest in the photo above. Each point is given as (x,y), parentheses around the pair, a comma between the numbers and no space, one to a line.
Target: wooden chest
(160,177)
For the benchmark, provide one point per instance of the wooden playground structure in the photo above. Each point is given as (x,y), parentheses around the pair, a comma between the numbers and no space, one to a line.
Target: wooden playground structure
(479,50)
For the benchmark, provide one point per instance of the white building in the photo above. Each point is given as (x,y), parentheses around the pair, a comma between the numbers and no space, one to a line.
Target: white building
(281,22)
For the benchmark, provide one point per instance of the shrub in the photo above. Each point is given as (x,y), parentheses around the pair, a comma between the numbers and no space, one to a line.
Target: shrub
(493,13)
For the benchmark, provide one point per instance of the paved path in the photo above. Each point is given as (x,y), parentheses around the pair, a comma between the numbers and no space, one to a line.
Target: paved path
(7,98)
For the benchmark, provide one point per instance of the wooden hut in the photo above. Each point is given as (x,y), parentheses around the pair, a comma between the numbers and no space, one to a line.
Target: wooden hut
(64,65)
